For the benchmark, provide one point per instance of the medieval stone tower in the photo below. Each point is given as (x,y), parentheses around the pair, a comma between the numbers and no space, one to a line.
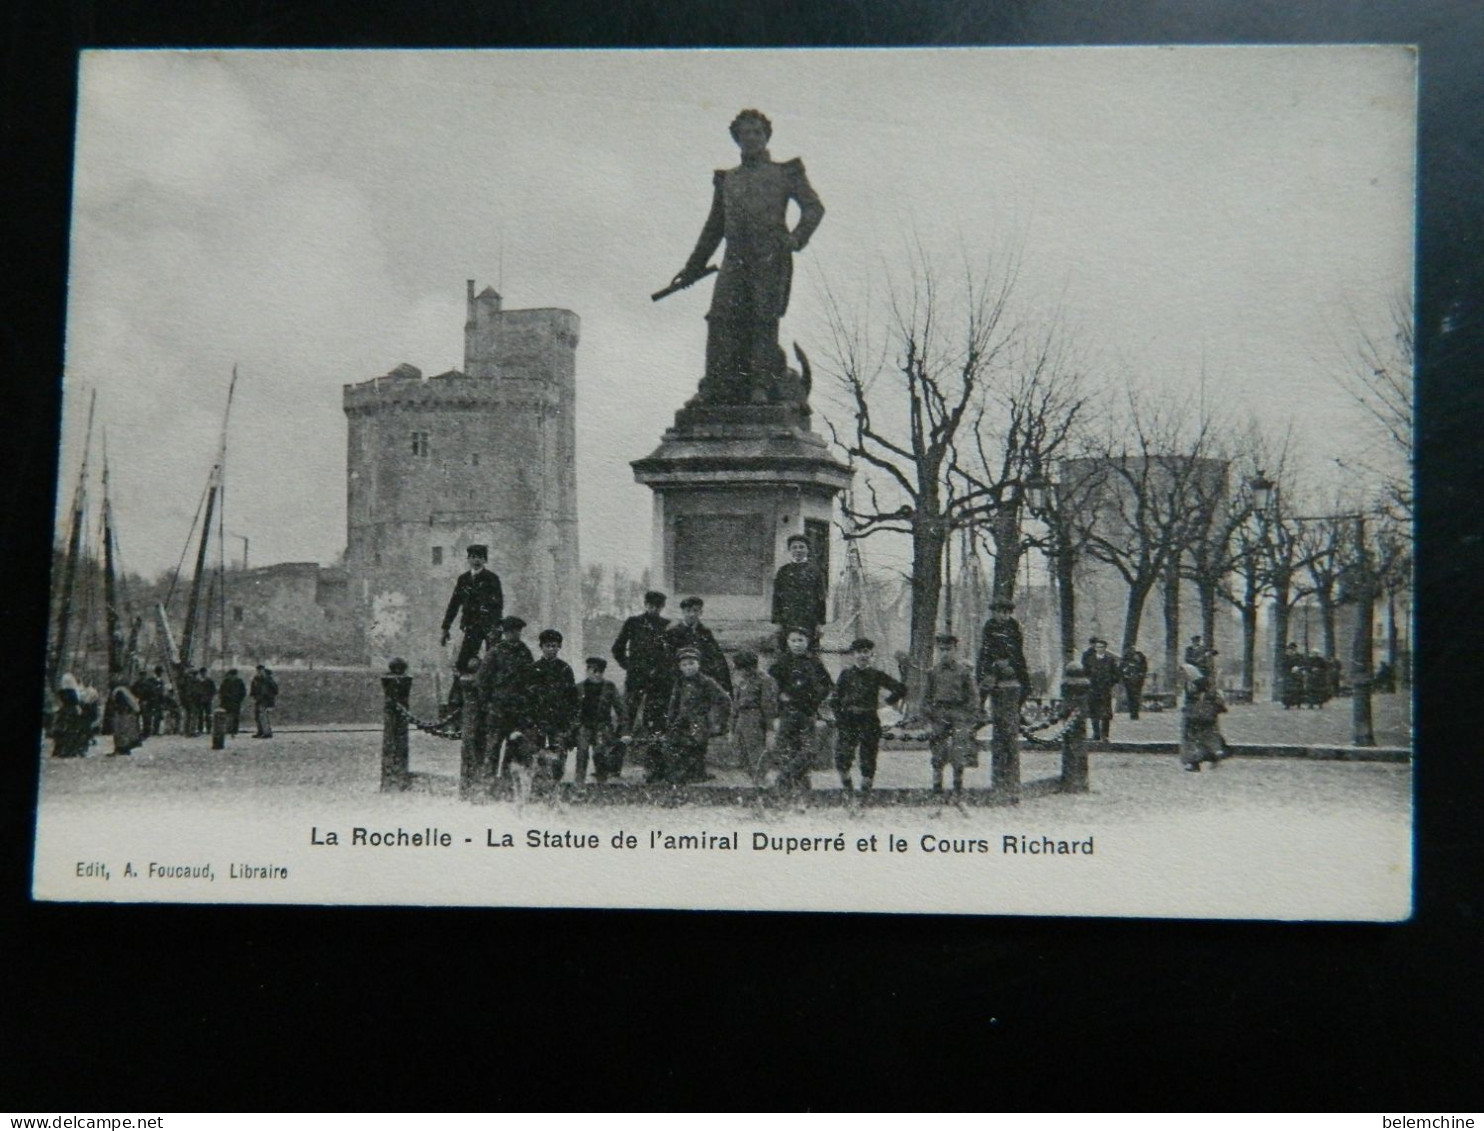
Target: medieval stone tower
(486,455)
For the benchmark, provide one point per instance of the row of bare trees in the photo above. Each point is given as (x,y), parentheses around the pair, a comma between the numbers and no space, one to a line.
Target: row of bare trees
(960,409)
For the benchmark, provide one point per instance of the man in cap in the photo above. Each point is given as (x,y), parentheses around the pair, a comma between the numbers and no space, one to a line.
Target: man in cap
(641,652)
(479,602)
(552,702)
(1101,668)
(691,633)
(698,711)
(951,704)
(504,677)
(799,591)
(233,692)
(1001,639)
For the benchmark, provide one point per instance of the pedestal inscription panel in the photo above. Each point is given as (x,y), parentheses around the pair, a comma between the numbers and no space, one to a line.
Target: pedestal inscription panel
(722,554)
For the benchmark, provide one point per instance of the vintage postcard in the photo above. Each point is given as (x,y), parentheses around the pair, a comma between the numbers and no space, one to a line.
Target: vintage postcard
(964,481)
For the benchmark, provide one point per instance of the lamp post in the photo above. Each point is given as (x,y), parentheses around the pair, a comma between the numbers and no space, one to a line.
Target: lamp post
(1363,592)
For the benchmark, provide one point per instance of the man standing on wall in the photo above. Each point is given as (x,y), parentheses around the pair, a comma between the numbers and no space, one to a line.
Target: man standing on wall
(798,594)
(477,593)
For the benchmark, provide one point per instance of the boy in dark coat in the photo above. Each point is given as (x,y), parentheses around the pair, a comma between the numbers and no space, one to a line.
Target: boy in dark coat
(691,633)
(479,603)
(1101,668)
(503,677)
(856,700)
(698,711)
(553,700)
(799,591)
(264,692)
(803,688)
(1002,639)
(599,718)
(641,652)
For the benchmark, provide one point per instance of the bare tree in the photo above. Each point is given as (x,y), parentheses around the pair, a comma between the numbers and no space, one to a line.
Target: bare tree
(907,399)
(1141,518)
(1380,380)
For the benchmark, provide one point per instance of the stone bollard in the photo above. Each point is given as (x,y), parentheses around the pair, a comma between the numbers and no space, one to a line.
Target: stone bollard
(1074,688)
(474,772)
(396,687)
(219,729)
(1004,742)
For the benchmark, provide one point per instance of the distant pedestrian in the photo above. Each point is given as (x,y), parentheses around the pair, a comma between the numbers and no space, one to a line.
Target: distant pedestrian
(148,690)
(205,697)
(951,703)
(69,737)
(233,693)
(264,693)
(126,715)
(1200,656)
(1295,668)
(1101,669)
(1133,671)
(754,713)
(799,593)
(857,703)
(1200,735)
(478,602)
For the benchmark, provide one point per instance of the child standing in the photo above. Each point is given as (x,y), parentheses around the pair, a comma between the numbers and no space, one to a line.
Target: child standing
(698,711)
(599,717)
(856,700)
(951,703)
(1201,739)
(803,687)
(754,711)
(553,705)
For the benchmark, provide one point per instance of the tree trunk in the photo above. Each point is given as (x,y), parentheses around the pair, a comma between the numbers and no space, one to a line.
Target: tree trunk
(1249,644)
(1005,530)
(1172,619)
(1066,595)
(1206,590)
(927,588)
(1133,614)
(1280,636)
(1327,622)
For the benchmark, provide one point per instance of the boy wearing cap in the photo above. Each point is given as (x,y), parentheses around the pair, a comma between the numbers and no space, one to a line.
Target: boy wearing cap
(599,718)
(697,712)
(642,653)
(691,633)
(754,711)
(803,688)
(503,679)
(799,592)
(552,703)
(951,704)
(477,593)
(1001,639)
(856,700)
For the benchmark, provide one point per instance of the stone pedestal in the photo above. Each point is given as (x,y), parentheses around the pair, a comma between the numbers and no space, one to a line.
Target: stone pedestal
(731,484)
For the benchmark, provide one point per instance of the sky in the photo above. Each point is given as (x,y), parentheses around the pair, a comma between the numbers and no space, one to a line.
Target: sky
(1220,218)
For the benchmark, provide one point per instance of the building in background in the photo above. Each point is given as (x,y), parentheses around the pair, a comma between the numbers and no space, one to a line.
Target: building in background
(483,455)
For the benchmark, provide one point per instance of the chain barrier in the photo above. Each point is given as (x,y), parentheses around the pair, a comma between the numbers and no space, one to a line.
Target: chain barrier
(1038,734)
(439,729)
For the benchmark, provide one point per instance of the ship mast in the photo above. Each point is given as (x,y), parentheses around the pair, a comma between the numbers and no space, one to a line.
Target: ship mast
(213,489)
(58,658)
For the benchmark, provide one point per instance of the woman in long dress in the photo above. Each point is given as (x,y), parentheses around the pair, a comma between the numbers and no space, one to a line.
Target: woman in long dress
(1201,739)
(128,732)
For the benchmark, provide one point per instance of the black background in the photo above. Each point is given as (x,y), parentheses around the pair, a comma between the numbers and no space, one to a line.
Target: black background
(144,1008)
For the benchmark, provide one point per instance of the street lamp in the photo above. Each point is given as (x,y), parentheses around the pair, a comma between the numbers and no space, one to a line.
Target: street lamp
(1264,494)
(1038,492)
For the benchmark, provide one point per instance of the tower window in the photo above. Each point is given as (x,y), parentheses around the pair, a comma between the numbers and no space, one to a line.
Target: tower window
(236,614)
(474,459)
(437,555)
(420,444)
